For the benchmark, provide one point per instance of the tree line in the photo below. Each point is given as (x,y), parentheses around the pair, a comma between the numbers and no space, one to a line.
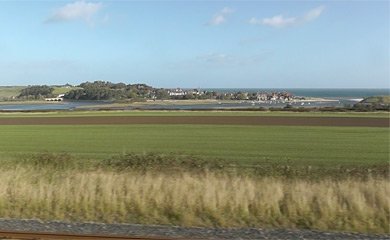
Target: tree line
(36,92)
(101,90)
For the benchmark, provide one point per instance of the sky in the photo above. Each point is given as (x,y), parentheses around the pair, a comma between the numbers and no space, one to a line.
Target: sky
(202,44)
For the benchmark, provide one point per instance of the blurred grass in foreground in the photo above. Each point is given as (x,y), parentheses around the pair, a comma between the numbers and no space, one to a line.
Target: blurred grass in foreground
(131,188)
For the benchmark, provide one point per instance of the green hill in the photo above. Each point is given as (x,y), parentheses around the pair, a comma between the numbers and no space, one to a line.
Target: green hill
(10,91)
(377,100)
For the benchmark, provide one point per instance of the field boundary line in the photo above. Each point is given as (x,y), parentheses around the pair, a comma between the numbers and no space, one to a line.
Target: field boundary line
(202,120)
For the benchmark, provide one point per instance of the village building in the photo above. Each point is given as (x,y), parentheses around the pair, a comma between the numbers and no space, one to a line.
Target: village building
(177,92)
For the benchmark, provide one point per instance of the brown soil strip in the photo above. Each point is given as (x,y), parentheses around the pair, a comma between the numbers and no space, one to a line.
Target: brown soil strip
(216,120)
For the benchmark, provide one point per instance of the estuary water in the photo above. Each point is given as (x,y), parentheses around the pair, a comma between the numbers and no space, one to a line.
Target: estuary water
(331,98)
(65,105)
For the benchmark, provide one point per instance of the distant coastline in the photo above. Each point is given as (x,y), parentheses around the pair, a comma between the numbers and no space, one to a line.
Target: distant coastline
(207,98)
(316,92)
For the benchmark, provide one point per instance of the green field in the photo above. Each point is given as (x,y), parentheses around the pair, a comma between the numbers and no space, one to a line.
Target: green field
(321,178)
(8,92)
(14,91)
(377,100)
(241,144)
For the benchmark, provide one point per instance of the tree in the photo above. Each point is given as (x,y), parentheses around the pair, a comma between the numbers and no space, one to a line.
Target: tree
(101,90)
(36,92)
(161,94)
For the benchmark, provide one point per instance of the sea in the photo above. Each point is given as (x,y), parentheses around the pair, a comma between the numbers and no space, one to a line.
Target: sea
(339,97)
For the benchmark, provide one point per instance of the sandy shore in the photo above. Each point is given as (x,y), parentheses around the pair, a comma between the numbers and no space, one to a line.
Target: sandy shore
(211,101)
(316,100)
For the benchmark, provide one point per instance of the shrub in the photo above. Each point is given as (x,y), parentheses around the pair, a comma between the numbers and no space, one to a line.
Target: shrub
(154,161)
(51,160)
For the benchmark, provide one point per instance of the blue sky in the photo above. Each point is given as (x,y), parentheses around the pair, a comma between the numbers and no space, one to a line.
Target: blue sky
(260,44)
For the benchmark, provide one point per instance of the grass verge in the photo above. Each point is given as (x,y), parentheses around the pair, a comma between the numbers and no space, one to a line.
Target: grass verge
(172,163)
(195,199)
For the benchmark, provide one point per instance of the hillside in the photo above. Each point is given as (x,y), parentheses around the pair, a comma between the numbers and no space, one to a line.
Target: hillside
(377,100)
(11,92)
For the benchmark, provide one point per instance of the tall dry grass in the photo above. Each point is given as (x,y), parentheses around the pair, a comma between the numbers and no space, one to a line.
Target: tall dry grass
(191,199)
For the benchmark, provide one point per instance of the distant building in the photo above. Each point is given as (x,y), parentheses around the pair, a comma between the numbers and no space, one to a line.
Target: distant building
(54,99)
(196,92)
(262,96)
(274,96)
(59,98)
(177,92)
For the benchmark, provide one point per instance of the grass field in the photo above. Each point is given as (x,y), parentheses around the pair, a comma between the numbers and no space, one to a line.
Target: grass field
(327,146)
(378,99)
(14,91)
(8,92)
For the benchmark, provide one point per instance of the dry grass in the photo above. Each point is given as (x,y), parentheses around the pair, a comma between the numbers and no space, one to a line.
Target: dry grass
(191,199)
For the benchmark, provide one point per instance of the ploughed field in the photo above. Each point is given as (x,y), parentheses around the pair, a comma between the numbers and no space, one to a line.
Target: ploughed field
(157,113)
(213,120)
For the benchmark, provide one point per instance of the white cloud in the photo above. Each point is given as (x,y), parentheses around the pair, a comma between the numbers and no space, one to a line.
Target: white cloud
(224,59)
(313,13)
(80,10)
(215,58)
(275,21)
(221,16)
(281,21)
